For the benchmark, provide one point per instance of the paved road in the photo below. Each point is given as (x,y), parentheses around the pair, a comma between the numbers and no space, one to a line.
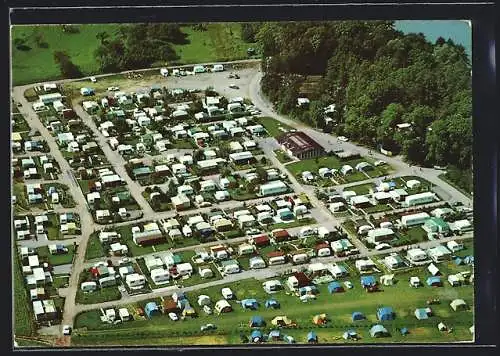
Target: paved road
(270,272)
(115,159)
(86,220)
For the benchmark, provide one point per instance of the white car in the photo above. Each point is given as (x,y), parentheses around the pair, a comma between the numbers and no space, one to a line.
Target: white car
(207,309)
(123,261)
(173,316)
(227,293)
(93,79)
(348,284)
(113,88)
(343,138)
(382,246)
(100,264)
(66,330)
(253,232)
(379,163)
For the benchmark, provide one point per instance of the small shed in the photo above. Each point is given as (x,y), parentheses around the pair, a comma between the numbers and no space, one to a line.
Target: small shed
(256,322)
(387,279)
(385,313)
(378,331)
(312,337)
(442,327)
(356,316)
(335,287)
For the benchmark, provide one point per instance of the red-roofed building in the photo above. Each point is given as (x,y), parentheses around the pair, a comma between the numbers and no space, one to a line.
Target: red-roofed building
(262,240)
(281,235)
(300,145)
(302,279)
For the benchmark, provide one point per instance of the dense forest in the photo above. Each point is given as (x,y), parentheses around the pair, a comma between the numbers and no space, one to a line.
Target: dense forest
(377,78)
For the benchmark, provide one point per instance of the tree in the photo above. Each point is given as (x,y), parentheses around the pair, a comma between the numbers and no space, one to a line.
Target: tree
(262,174)
(102,36)
(68,68)
(251,186)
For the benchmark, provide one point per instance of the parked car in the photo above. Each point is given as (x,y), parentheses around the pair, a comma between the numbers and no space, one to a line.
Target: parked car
(233,86)
(348,284)
(251,232)
(123,261)
(113,88)
(93,79)
(343,138)
(382,246)
(207,327)
(67,330)
(173,316)
(379,163)
(207,309)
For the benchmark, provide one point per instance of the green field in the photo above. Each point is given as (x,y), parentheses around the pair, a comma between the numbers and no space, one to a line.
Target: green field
(220,42)
(23,315)
(100,295)
(55,260)
(94,248)
(339,308)
(273,126)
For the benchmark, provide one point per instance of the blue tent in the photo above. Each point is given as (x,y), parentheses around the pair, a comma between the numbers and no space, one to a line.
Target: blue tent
(249,304)
(334,287)
(358,316)
(368,281)
(434,281)
(256,336)
(404,331)
(312,337)
(385,313)
(274,334)
(421,314)
(458,261)
(151,309)
(257,321)
(378,331)
(272,303)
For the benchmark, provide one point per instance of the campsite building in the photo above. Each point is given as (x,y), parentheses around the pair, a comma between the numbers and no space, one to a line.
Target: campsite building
(300,145)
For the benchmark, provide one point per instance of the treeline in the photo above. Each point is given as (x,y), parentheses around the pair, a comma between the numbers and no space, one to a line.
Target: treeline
(138,46)
(377,78)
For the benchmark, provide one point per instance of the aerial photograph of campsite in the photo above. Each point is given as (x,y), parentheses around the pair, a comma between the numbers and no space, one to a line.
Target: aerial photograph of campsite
(242,183)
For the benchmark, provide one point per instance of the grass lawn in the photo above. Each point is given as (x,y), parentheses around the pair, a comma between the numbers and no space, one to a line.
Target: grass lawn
(94,248)
(360,189)
(59,282)
(22,311)
(295,223)
(33,343)
(273,126)
(99,296)
(377,208)
(458,186)
(282,156)
(221,42)
(65,197)
(37,64)
(338,306)
(55,260)
(53,228)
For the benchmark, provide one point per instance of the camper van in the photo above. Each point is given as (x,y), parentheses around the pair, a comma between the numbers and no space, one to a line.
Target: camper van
(88,286)
(300,258)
